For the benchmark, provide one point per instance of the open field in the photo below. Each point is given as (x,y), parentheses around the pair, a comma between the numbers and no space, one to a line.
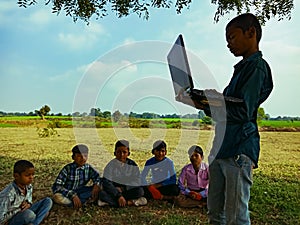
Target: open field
(275,196)
(98,122)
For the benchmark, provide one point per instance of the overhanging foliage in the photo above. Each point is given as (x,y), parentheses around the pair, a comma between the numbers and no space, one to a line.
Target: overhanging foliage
(85,9)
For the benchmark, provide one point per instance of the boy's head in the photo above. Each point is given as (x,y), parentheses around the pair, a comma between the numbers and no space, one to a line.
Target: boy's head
(243,34)
(159,150)
(80,154)
(196,154)
(23,172)
(122,150)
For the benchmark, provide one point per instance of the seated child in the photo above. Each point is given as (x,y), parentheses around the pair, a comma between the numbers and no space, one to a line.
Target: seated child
(121,180)
(16,205)
(70,187)
(193,180)
(162,184)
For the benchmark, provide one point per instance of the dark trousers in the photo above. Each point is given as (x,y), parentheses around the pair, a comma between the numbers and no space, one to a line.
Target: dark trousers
(167,190)
(130,194)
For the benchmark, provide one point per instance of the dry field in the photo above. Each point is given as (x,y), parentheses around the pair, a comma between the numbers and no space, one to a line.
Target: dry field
(275,193)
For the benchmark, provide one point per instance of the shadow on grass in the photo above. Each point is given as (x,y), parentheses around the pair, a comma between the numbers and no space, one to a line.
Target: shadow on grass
(156,212)
(274,200)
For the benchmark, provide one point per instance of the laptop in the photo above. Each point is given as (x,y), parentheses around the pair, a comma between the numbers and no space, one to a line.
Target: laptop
(182,77)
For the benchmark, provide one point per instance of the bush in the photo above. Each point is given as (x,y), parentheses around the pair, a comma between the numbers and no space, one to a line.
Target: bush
(46,132)
(196,123)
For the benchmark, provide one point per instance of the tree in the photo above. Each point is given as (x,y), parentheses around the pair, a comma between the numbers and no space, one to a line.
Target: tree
(43,111)
(201,114)
(106,114)
(261,114)
(85,9)
(95,112)
(116,116)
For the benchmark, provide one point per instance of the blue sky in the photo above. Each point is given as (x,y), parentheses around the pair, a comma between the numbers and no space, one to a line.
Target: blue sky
(120,63)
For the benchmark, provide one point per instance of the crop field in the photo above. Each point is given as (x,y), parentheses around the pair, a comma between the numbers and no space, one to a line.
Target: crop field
(275,194)
(98,122)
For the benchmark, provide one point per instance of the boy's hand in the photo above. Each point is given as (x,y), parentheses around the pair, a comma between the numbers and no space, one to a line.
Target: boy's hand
(194,195)
(95,192)
(215,101)
(188,101)
(25,205)
(76,202)
(122,201)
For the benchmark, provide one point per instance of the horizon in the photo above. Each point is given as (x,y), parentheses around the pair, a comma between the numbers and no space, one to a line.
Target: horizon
(127,113)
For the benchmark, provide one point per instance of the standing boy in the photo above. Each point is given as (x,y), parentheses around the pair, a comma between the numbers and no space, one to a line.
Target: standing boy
(16,205)
(236,146)
(121,182)
(70,187)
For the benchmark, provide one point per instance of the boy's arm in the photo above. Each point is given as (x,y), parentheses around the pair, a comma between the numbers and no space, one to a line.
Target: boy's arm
(172,173)
(60,183)
(97,181)
(107,181)
(144,174)
(109,187)
(135,176)
(7,211)
(182,177)
(95,176)
(29,194)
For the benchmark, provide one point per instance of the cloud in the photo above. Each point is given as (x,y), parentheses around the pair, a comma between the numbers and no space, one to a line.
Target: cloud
(70,74)
(128,41)
(40,17)
(78,39)
(7,5)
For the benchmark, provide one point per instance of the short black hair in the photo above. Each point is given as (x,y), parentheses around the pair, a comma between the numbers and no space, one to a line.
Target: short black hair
(22,165)
(195,148)
(159,144)
(245,21)
(123,143)
(80,148)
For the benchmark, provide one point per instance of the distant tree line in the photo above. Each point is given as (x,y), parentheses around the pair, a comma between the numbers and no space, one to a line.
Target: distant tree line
(44,111)
(117,115)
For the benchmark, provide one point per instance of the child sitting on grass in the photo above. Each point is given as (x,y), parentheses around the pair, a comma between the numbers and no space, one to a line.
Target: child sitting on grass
(162,185)
(121,182)
(70,187)
(16,206)
(193,180)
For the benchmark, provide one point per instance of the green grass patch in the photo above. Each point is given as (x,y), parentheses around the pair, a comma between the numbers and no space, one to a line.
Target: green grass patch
(7,125)
(279,123)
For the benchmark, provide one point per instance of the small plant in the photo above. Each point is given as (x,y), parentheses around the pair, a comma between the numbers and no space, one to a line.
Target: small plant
(46,132)
(207,120)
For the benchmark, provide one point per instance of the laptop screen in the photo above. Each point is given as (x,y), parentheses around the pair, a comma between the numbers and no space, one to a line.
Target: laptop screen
(179,67)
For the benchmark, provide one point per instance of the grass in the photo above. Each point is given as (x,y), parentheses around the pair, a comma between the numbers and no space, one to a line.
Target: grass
(274,196)
(279,123)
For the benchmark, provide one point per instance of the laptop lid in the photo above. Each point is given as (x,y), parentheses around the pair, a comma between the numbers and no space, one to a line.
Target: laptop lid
(179,67)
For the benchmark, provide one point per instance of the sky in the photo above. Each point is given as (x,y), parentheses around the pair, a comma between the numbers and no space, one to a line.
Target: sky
(120,63)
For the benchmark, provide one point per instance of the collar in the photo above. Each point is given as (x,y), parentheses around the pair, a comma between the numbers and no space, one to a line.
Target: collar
(160,160)
(191,167)
(78,167)
(250,58)
(18,189)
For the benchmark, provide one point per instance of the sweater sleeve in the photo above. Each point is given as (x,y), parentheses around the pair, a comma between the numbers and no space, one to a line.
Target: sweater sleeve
(60,182)
(6,209)
(181,182)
